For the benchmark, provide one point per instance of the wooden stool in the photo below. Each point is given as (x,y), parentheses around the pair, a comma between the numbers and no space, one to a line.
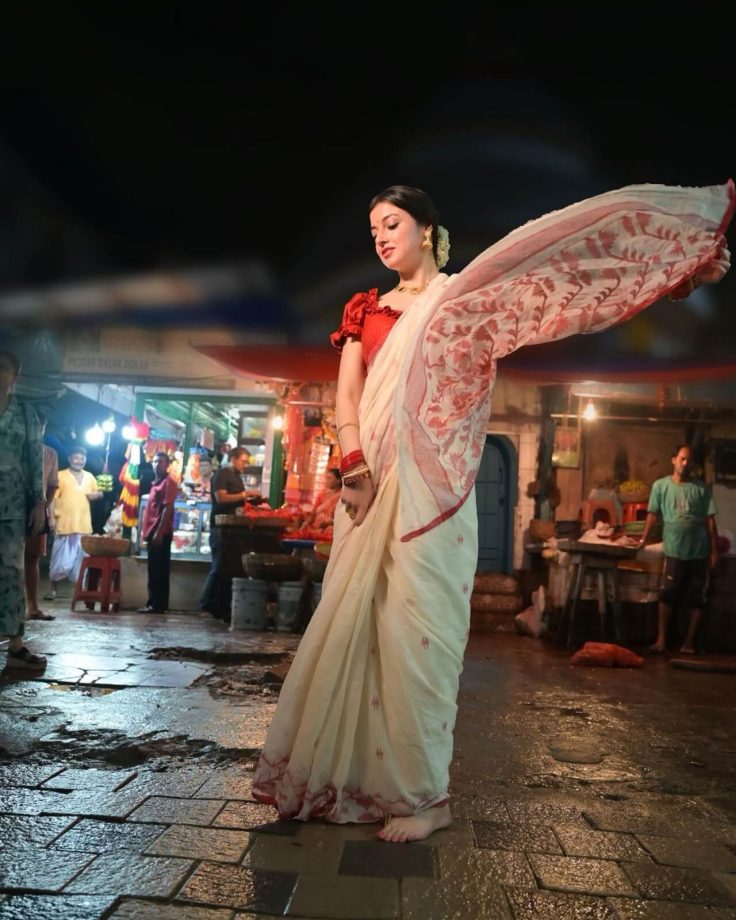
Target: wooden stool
(98,581)
(605,571)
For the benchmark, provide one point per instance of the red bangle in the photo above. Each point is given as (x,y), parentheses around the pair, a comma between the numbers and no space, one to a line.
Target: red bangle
(350,460)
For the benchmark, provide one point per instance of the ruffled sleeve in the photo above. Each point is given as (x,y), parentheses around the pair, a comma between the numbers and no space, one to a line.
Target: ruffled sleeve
(353,318)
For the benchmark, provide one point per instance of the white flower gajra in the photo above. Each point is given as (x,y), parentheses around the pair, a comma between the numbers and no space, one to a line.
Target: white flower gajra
(443,246)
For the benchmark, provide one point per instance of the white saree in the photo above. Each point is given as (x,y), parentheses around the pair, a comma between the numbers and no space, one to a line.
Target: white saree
(364,724)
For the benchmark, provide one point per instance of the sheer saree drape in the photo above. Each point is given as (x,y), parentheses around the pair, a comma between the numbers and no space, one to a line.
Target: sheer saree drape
(364,723)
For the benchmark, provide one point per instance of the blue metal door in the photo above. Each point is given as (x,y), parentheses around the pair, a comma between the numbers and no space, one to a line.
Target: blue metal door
(495,500)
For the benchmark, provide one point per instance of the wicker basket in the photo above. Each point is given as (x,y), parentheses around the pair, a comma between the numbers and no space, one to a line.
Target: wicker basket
(98,545)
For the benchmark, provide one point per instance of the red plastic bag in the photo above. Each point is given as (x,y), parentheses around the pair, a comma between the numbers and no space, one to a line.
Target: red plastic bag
(606,655)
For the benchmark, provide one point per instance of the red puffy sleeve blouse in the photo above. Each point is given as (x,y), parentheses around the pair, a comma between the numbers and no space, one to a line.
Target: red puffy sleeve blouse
(365,320)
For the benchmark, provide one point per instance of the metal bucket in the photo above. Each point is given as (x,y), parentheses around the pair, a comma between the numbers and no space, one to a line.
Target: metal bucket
(248,605)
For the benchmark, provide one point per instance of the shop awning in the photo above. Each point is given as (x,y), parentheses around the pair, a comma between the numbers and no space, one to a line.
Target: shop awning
(319,364)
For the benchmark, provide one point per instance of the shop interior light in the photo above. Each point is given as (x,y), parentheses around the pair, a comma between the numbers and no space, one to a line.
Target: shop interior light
(108,426)
(128,432)
(277,422)
(95,435)
(590,413)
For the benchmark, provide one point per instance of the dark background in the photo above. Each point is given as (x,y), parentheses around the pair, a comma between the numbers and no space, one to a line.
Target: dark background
(136,139)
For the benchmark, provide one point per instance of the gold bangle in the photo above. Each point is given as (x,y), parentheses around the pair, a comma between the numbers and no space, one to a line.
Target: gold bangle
(348,425)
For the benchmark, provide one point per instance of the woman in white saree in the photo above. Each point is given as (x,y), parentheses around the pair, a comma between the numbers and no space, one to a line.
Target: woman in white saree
(363,730)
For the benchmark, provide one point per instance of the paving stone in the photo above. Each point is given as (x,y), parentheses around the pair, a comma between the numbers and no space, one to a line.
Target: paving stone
(21,774)
(628,909)
(90,836)
(552,905)
(577,841)
(345,898)
(387,860)
(585,876)
(235,783)
(542,813)
(215,844)
(481,810)
(99,780)
(463,867)
(17,801)
(41,870)
(235,886)
(139,909)
(249,815)
(60,907)
(96,804)
(29,832)
(159,810)
(182,782)
(728,881)
(687,854)
(133,875)
(662,883)
(515,837)
(301,854)
(425,900)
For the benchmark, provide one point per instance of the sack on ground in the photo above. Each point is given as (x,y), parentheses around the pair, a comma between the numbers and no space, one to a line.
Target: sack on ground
(606,655)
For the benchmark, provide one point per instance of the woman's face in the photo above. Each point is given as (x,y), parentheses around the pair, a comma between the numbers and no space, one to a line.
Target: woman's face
(332,482)
(7,374)
(397,236)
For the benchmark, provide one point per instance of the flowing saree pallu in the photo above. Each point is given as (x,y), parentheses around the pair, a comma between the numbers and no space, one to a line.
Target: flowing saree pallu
(363,727)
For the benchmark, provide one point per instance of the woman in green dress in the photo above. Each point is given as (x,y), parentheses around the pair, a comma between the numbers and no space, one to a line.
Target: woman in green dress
(21,475)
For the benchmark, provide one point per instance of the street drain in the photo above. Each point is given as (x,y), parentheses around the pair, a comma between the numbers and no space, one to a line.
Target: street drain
(211,656)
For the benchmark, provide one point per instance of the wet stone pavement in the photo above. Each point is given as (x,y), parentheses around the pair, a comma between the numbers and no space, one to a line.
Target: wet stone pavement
(125,788)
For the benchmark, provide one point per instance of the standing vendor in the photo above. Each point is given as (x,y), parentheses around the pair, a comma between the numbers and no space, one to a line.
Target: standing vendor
(228,492)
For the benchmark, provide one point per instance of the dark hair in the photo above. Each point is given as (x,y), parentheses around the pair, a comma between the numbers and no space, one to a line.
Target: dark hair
(162,453)
(415,202)
(335,470)
(14,360)
(77,449)
(237,452)
(679,448)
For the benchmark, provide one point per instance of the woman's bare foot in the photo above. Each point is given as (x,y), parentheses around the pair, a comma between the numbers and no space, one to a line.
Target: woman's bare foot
(416,827)
(658,647)
(687,650)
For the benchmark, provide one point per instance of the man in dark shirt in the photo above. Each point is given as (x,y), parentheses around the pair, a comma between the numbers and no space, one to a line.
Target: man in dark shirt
(228,492)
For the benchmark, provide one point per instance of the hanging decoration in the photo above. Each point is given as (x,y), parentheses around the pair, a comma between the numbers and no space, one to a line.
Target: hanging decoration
(129,475)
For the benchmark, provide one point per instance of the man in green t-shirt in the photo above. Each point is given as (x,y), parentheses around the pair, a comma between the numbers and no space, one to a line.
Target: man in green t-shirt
(688,512)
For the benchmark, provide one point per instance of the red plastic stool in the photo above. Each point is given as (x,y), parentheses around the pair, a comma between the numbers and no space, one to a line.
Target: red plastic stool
(98,581)
(634,511)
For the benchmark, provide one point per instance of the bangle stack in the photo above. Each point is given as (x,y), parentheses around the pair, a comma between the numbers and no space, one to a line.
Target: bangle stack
(354,468)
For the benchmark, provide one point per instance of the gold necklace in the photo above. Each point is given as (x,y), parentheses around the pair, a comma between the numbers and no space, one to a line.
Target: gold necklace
(407,289)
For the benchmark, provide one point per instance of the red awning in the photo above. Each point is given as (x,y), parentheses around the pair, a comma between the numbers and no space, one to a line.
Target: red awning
(320,363)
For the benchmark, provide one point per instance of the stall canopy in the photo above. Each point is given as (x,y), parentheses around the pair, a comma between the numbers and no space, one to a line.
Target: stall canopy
(319,364)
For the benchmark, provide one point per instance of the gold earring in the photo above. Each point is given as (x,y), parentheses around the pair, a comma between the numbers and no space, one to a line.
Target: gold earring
(427,241)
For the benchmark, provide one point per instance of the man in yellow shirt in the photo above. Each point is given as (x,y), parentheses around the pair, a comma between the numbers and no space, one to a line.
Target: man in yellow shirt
(77,488)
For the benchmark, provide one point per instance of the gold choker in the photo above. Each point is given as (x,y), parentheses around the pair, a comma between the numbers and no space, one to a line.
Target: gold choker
(406,289)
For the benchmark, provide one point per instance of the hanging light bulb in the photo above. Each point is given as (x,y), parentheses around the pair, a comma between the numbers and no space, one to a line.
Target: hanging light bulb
(277,422)
(95,435)
(128,432)
(108,426)
(590,413)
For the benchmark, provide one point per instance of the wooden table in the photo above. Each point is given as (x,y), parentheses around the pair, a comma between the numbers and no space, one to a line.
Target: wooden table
(600,559)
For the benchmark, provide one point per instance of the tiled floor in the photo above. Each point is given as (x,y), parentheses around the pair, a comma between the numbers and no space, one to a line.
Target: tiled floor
(138,804)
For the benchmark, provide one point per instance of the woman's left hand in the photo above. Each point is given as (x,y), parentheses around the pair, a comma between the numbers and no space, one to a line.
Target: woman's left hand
(37,518)
(358,499)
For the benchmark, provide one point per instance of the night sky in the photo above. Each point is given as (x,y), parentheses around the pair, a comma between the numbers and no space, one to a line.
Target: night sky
(171,137)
